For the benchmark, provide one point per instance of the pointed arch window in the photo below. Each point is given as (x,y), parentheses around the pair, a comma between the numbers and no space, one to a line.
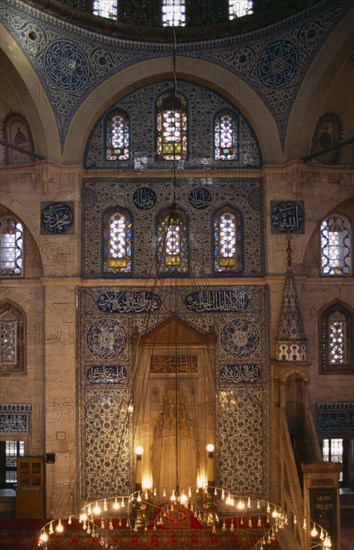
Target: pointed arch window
(117,136)
(105,8)
(335,246)
(172,242)
(173,13)
(240,8)
(16,130)
(337,340)
(11,247)
(227,241)
(117,242)
(225,136)
(171,127)
(12,338)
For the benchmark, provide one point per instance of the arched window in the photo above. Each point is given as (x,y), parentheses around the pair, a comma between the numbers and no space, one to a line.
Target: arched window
(337,340)
(225,136)
(117,242)
(240,8)
(11,247)
(173,13)
(172,242)
(12,338)
(335,246)
(117,136)
(16,130)
(171,127)
(105,8)
(227,241)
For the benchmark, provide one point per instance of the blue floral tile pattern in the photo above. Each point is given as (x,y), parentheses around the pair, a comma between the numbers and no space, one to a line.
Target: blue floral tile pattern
(66,65)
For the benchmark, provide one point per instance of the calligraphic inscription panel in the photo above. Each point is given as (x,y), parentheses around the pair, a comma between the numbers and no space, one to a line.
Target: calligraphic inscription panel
(106,374)
(57,218)
(218,301)
(144,198)
(15,418)
(288,216)
(323,507)
(128,302)
(235,316)
(170,363)
(239,374)
(331,417)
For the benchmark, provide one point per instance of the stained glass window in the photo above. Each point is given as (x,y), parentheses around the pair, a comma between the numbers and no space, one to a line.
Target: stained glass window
(225,136)
(172,243)
(335,246)
(227,242)
(105,8)
(12,322)
(117,136)
(171,127)
(11,247)
(173,13)
(337,337)
(240,8)
(117,242)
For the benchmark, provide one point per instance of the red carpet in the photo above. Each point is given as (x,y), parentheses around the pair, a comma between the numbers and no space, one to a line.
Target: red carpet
(23,535)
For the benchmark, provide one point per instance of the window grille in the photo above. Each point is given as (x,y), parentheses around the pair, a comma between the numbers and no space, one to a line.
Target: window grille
(11,247)
(105,8)
(335,246)
(227,242)
(173,13)
(117,243)
(172,243)
(171,127)
(118,137)
(240,8)
(225,141)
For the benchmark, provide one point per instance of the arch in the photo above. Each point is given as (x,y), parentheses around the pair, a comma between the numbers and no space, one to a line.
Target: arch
(336,338)
(226,135)
(16,130)
(227,242)
(219,79)
(172,254)
(309,103)
(117,241)
(311,254)
(117,134)
(32,261)
(34,99)
(171,126)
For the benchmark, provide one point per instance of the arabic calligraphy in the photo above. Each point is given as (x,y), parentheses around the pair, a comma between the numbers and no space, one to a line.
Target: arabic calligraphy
(57,217)
(128,302)
(288,217)
(144,198)
(171,363)
(239,374)
(200,198)
(15,418)
(106,374)
(218,300)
